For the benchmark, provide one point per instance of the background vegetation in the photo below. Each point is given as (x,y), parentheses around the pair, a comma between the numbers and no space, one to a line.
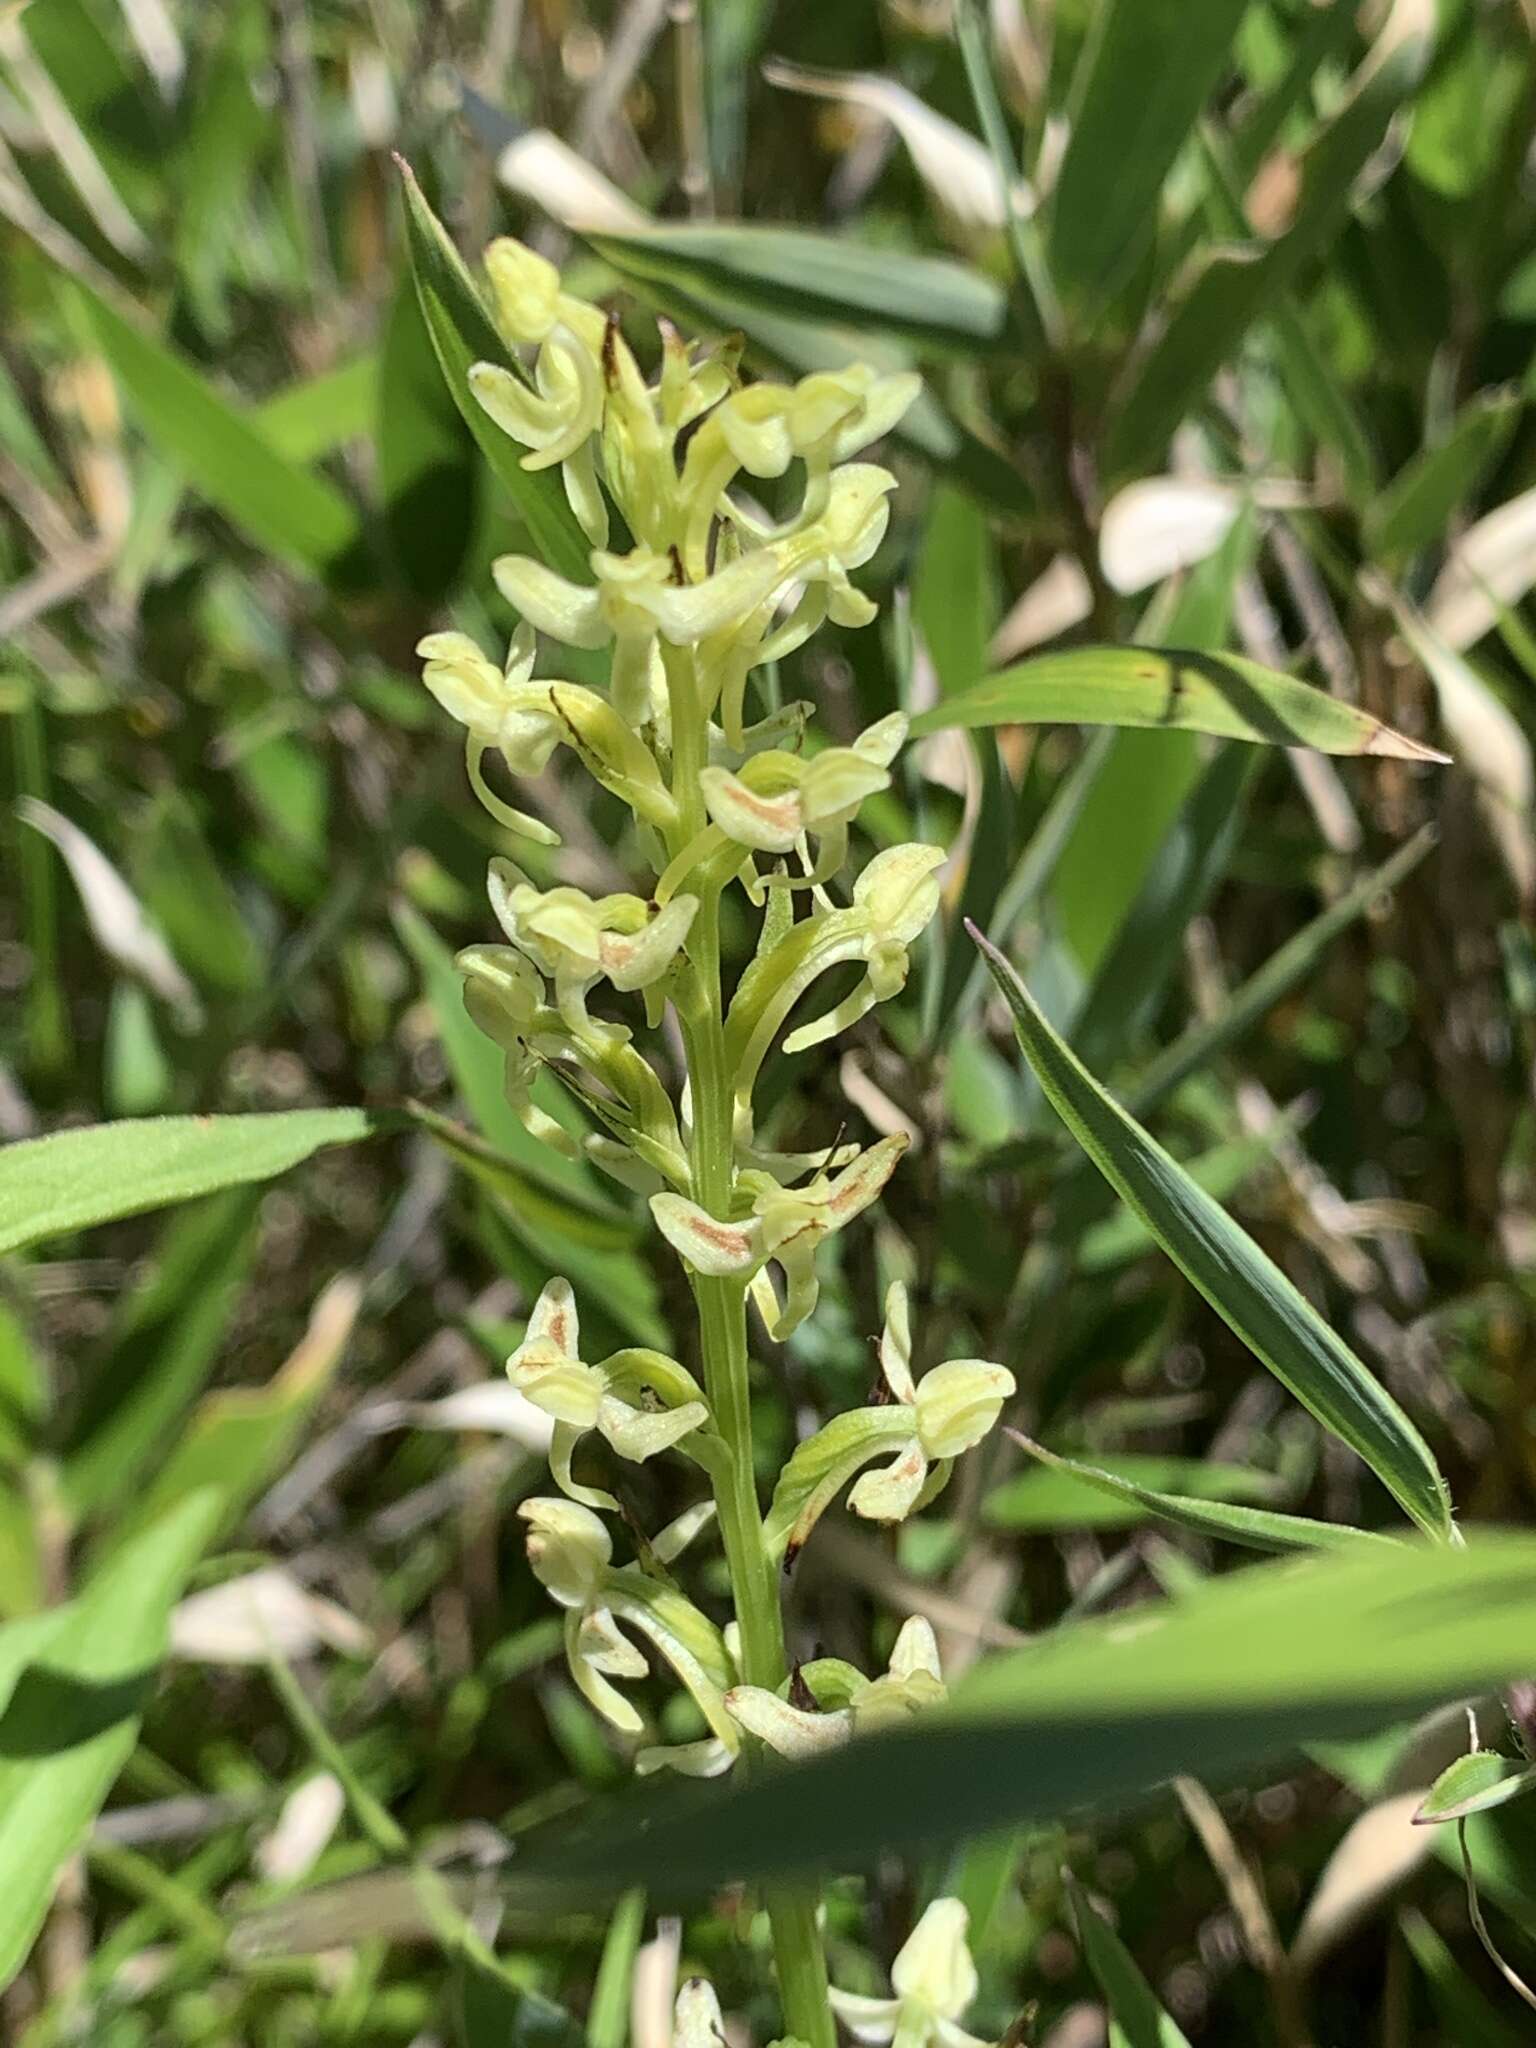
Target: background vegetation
(1240,359)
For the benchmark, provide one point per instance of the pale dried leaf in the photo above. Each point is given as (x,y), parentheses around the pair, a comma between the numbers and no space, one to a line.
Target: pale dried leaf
(1380,1851)
(495,1406)
(118,921)
(1491,566)
(262,1614)
(955,165)
(304,1827)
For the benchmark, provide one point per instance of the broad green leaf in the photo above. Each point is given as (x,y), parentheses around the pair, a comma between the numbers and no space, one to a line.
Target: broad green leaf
(1237,287)
(72,1718)
(221,453)
(72,1179)
(1171,689)
(1473,1784)
(1239,1280)
(1416,507)
(1136,2020)
(239,1438)
(463,334)
(318,415)
(1148,68)
(1210,1503)
(837,278)
(1243,1668)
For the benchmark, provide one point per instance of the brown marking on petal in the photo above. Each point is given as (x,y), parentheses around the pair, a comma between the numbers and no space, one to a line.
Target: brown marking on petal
(611,349)
(780,812)
(730,1237)
(679,574)
(800,1694)
(792,1550)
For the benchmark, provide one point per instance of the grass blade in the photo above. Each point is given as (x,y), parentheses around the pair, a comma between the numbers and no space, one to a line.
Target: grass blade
(1244,1286)
(1171,689)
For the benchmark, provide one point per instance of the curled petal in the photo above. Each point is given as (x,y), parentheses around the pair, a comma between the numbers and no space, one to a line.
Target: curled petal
(566,611)
(786,1729)
(563,1387)
(592,1682)
(885,401)
(710,1246)
(898,893)
(637,1435)
(707,1759)
(767,823)
(891,1495)
(464,681)
(958,1402)
(568,1548)
(635,959)
(869,2020)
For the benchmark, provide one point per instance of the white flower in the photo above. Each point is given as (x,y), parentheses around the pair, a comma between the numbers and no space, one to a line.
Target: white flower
(894,900)
(571,1553)
(777,797)
(951,1409)
(578,939)
(934,1980)
(786,1225)
(504,708)
(548,1368)
(911,1682)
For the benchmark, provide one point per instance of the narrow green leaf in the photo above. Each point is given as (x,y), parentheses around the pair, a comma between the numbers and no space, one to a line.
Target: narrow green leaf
(463,334)
(1473,1784)
(73,1179)
(1237,287)
(1190,864)
(1148,68)
(1236,1277)
(1247,1666)
(1171,689)
(1416,507)
(1136,2020)
(1267,985)
(836,278)
(220,452)
(72,1718)
(1229,1519)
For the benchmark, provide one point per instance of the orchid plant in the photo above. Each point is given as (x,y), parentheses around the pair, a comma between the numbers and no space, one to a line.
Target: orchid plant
(703,592)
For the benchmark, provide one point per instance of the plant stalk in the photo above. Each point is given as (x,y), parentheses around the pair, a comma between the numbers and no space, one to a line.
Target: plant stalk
(722,1307)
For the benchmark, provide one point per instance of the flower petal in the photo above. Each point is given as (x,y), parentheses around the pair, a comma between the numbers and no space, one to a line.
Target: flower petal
(710,1246)
(566,611)
(891,1494)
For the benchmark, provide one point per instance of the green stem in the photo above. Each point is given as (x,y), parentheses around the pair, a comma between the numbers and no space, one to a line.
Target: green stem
(722,1306)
